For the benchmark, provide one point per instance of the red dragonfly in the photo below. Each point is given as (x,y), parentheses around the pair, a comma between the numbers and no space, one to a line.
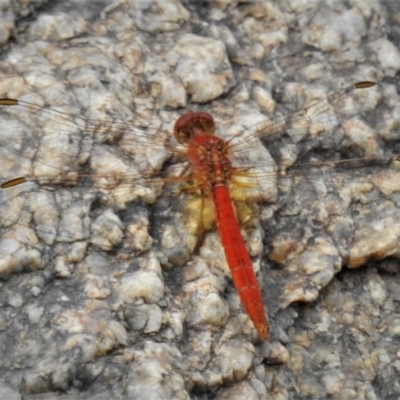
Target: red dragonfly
(220,169)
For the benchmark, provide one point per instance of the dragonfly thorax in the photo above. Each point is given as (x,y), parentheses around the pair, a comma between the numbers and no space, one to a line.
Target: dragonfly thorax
(208,156)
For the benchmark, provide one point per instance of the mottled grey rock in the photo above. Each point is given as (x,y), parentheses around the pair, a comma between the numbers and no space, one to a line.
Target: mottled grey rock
(107,292)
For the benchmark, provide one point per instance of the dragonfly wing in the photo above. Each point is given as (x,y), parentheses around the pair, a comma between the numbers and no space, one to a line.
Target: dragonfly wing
(68,161)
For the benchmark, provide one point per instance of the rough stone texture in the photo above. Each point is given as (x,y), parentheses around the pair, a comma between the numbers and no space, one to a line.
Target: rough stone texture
(105,292)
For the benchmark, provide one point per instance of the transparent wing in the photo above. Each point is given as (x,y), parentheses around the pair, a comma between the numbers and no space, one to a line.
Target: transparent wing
(56,150)
(327,142)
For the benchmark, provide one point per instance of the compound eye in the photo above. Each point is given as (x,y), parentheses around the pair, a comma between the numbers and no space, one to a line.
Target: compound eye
(191,122)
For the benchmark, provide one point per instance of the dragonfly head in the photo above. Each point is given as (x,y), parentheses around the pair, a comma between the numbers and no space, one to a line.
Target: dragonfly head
(191,123)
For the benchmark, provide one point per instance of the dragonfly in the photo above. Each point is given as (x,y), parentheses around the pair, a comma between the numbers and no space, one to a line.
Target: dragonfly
(225,175)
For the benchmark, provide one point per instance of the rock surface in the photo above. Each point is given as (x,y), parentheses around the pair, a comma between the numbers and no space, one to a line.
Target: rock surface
(105,294)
